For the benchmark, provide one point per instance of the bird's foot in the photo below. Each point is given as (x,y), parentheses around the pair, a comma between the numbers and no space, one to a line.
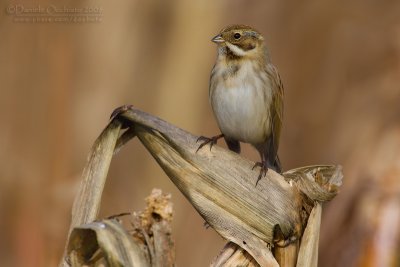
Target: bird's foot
(263,169)
(205,140)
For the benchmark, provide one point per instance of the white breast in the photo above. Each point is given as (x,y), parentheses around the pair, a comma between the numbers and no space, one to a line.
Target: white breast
(240,103)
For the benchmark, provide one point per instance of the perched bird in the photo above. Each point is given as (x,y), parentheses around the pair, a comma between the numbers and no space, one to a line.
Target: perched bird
(246,95)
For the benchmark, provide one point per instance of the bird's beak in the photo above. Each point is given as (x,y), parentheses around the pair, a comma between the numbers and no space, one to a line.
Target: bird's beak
(218,39)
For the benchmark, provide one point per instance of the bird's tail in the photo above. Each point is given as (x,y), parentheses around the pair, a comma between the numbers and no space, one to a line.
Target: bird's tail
(277,165)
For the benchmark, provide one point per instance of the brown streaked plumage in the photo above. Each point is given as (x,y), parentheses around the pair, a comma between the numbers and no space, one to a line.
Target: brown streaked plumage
(246,95)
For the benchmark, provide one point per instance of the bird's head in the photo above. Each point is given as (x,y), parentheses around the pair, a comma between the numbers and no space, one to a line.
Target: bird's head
(240,41)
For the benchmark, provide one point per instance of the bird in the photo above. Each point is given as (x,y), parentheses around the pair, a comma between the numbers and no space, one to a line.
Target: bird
(246,95)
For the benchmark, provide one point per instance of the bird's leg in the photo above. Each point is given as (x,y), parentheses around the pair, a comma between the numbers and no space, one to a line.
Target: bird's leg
(263,169)
(205,140)
(263,164)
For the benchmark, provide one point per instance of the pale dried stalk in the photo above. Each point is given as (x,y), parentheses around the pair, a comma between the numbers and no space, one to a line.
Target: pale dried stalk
(87,202)
(233,255)
(308,254)
(107,238)
(148,243)
(221,185)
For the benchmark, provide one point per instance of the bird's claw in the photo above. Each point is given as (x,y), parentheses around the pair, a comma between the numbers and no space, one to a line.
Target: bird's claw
(205,140)
(263,170)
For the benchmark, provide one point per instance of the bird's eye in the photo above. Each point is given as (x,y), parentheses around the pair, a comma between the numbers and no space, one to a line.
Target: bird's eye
(237,36)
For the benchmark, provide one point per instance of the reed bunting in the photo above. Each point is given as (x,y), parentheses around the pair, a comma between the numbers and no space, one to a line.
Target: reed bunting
(246,95)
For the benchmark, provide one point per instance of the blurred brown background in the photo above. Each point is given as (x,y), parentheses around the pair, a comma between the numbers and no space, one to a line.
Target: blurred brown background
(340,64)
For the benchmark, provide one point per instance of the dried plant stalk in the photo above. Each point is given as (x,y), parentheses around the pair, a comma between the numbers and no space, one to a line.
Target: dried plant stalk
(149,243)
(87,202)
(104,241)
(233,255)
(308,254)
(221,185)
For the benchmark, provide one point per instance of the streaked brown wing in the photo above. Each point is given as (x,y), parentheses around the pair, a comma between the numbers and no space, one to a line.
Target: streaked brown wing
(276,110)
(212,82)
